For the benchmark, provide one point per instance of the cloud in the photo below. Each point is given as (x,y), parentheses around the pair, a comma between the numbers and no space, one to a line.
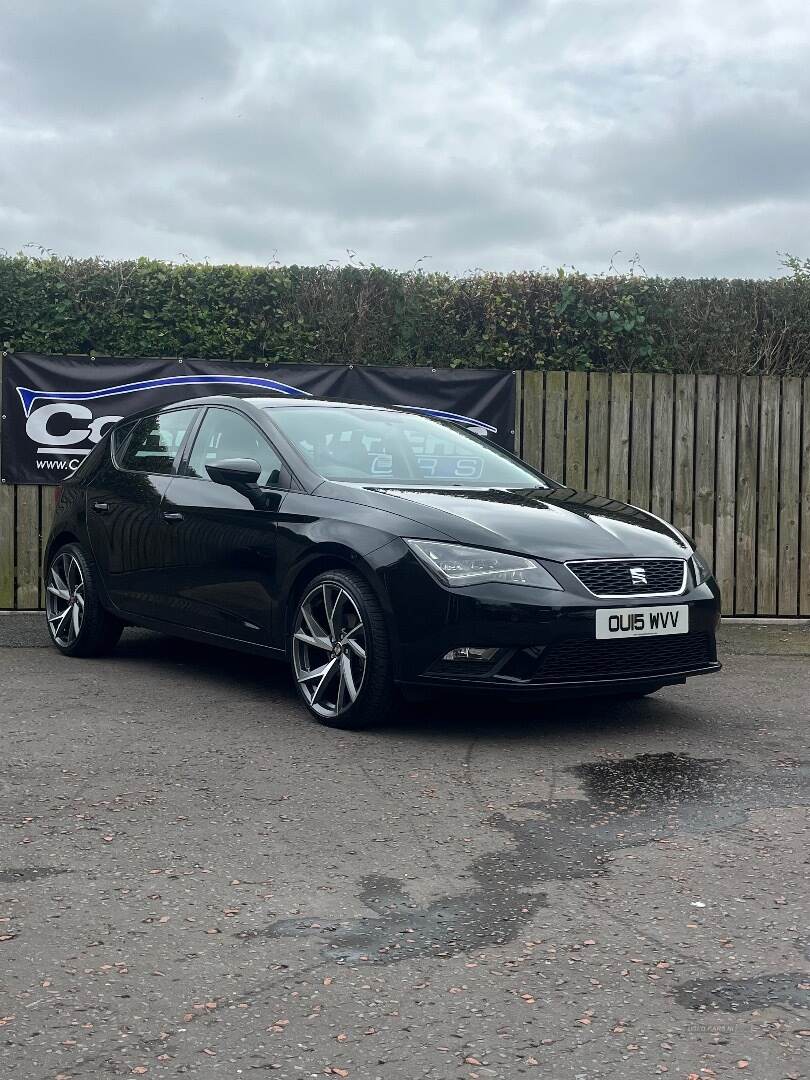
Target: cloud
(493,134)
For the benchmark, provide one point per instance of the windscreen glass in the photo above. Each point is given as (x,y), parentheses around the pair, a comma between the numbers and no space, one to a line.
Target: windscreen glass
(373,446)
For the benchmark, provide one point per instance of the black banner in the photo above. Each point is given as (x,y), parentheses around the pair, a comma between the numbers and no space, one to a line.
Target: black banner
(55,408)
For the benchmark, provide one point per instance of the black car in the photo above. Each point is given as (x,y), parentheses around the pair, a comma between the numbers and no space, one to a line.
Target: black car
(373,548)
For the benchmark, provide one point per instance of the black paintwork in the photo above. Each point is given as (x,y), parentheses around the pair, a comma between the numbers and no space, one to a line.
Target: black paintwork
(209,562)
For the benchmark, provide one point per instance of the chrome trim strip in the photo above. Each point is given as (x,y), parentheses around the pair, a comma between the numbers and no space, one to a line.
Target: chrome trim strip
(637,562)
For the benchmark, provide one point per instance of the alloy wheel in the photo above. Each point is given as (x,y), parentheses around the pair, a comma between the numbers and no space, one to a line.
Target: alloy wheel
(329,649)
(64,599)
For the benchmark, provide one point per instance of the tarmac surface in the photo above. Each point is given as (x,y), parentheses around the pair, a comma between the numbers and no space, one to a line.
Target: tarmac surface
(197,880)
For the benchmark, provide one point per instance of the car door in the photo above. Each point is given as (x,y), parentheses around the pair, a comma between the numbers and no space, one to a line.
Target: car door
(222,572)
(123,507)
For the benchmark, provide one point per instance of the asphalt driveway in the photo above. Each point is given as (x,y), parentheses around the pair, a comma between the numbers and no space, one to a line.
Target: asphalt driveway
(195,879)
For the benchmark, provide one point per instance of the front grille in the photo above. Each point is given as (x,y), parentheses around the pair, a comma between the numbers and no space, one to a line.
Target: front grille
(580,660)
(630,577)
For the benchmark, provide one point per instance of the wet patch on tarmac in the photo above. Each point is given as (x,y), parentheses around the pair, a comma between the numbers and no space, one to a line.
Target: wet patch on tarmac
(655,780)
(704,793)
(792,988)
(13,874)
(628,802)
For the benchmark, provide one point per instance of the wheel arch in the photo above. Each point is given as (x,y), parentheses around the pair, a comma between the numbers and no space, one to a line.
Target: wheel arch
(335,557)
(71,534)
(64,536)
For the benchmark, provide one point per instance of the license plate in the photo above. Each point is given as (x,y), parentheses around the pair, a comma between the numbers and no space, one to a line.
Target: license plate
(642,621)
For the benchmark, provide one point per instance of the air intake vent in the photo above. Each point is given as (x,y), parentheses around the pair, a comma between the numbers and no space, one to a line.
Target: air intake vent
(576,661)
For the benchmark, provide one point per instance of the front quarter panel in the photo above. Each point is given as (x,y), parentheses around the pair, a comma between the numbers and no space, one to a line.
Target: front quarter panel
(312,530)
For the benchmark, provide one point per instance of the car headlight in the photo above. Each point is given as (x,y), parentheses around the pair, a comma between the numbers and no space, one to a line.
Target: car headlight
(700,568)
(456,565)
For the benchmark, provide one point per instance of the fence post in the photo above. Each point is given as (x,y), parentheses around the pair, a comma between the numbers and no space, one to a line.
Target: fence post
(533,396)
(726,498)
(705,465)
(599,433)
(661,477)
(790,463)
(804,551)
(746,532)
(641,439)
(576,429)
(554,433)
(768,495)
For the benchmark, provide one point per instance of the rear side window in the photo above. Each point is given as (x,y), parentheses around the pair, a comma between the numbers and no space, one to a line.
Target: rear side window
(120,435)
(154,442)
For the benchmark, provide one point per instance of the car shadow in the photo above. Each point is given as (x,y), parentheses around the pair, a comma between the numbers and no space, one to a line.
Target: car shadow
(247,670)
(448,714)
(463,715)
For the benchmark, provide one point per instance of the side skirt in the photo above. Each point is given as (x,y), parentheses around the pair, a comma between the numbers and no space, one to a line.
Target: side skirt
(189,633)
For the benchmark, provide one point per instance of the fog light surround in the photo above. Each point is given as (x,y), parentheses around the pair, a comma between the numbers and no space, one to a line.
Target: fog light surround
(470,653)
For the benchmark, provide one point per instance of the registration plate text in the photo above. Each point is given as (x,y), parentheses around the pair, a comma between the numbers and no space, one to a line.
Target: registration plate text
(642,621)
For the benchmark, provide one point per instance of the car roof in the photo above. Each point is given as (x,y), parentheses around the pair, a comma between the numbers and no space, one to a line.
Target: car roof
(274,402)
(256,402)
(264,403)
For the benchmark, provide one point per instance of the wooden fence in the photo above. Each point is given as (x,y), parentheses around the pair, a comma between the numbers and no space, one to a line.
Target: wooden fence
(726,458)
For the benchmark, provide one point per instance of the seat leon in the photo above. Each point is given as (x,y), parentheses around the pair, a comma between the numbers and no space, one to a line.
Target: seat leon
(378,550)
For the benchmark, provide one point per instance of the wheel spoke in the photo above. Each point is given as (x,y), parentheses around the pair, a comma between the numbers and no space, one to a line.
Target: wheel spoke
(326,678)
(343,599)
(77,623)
(341,690)
(314,642)
(356,648)
(54,590)
(59,582)
(316,673)
(330,611)
(74,574)
(57,632)
(313,625)
(346,676)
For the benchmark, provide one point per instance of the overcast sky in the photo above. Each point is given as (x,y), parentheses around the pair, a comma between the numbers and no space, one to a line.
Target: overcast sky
(491,134)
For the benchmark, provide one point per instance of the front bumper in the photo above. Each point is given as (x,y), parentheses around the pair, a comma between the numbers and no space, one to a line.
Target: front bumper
(546,639)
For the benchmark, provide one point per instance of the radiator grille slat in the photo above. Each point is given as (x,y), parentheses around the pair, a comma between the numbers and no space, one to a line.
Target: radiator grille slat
(630,577)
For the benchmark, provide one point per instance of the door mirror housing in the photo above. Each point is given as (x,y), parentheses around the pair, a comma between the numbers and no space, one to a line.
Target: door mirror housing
(234,472)
(242,474)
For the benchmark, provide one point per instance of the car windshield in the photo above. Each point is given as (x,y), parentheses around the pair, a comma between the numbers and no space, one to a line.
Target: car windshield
(375,446)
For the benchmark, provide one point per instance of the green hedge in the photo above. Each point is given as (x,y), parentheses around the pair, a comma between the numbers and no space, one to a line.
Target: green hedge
(358,315)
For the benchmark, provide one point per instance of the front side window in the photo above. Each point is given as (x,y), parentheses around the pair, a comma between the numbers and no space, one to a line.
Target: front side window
(154,442)
(225,434)
(374,446)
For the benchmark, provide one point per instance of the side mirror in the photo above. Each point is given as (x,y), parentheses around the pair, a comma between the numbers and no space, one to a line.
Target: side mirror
(234,472)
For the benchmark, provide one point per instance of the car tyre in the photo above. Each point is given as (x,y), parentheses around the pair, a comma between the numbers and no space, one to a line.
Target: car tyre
(341,653)
(78,623)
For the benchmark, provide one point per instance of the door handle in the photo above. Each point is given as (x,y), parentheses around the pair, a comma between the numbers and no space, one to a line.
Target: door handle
(172,515)
(101,507)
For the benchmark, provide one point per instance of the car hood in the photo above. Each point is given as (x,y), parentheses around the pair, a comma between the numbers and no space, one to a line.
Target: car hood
(555,523)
